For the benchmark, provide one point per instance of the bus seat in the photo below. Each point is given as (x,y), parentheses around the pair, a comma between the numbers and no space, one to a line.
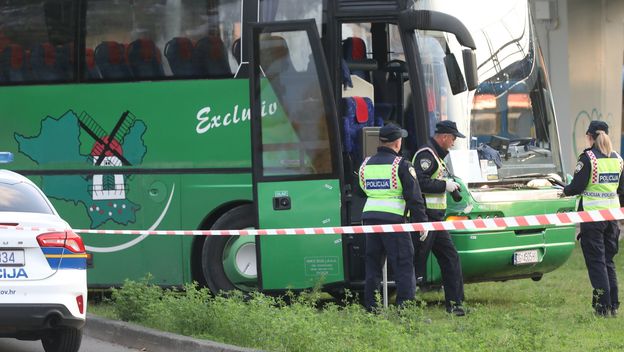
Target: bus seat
(110,58)
(91,70)
(358,113)
(144,59)
(236,50)
(211,59)
(391,81)
(179,54)
(359,88)
(354,49)
(13,63)
(45,63)
(275,57)
(65,60)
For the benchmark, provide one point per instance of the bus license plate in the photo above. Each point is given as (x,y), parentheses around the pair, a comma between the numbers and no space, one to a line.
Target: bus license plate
(11,257)
(525,257)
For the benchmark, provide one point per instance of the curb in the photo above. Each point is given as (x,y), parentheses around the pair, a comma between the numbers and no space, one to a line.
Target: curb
(151,340)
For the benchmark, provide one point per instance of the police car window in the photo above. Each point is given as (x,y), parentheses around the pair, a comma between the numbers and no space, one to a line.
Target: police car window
(22,198)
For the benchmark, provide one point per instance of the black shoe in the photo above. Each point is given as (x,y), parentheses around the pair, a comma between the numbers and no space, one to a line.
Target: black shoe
(602,313)
(456,310)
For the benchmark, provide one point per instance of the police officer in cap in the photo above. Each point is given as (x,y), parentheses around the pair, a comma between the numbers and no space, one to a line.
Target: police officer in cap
(435,181)
(598,179)
(389,182)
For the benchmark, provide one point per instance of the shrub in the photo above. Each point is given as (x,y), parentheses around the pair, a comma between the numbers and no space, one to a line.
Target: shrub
(134,298)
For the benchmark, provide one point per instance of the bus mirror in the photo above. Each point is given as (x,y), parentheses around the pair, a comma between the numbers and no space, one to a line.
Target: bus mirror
(455,77)
(470,68)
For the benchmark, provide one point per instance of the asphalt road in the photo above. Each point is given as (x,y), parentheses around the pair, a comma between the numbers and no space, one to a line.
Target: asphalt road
(89,344)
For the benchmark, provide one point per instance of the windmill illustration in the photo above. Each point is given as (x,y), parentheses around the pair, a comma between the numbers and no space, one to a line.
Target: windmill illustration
(108,152)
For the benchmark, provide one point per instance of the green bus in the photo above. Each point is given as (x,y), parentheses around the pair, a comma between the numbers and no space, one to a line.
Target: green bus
(231,114)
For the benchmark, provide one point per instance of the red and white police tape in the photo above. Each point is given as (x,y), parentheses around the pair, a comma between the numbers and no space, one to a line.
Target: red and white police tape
(477,224)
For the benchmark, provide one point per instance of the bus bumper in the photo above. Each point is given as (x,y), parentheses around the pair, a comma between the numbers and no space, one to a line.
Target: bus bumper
(509,254)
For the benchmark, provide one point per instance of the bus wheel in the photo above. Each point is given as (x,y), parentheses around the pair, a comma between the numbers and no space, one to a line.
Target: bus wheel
(229,262)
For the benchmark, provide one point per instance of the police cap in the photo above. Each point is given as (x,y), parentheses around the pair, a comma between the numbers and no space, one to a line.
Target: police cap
(391,132)
(595,126)
(448,126)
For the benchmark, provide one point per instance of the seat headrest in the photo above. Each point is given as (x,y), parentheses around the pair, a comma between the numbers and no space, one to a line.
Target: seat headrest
(182,48)
(14,54)
(146,50)
(354,48)
(212,47)
(359,105)
(236,47)
(110,52)
(90,58)
(47,52)
(275,54)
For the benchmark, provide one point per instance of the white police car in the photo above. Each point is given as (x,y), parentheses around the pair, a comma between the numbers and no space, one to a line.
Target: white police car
(43,280)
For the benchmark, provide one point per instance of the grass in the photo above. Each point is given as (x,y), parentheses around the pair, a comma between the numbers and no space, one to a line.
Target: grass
(551,315)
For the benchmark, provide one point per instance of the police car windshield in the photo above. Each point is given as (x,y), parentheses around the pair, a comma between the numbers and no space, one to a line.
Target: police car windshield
(22,197)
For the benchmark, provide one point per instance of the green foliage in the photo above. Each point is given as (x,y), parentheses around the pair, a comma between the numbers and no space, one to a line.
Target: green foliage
(133,300)
(551,315)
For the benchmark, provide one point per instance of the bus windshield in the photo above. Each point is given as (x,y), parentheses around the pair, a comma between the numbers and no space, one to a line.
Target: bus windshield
(511,111)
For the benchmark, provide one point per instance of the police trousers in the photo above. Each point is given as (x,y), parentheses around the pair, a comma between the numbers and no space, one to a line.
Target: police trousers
(399,250)
(599,242)
(441,244)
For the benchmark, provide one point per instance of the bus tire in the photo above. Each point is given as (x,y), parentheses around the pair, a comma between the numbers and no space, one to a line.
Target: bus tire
(215,247)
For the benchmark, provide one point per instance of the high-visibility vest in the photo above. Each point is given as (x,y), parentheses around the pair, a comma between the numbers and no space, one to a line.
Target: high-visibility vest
(383,187)
(435,201)
(601,190)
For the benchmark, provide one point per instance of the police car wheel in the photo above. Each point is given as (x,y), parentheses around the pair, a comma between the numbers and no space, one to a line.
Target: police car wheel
(62,340)
(229,262)
(537,277)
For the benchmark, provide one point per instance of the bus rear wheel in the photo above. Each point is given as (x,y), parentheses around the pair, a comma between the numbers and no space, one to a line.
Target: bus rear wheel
(229,262)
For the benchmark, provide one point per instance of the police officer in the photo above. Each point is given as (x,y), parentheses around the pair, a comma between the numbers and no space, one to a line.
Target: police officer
(598,179)
(389,182)
(435,182)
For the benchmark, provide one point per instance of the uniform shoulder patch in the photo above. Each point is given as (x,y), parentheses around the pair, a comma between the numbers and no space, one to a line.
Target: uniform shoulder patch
(579,167)
(412,171)
(425,163)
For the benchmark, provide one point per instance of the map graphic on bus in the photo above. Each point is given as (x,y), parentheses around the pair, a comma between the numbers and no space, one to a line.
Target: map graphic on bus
(103,196)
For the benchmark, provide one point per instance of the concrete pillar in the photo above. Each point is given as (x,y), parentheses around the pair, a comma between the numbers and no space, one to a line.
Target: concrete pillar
(583,45)
(596,47)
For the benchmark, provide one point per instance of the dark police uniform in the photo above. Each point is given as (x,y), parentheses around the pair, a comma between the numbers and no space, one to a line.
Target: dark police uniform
(431,173)
(598,179)
(389,182)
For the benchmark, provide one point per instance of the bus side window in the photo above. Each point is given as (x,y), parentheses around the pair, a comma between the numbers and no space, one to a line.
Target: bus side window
(194,38)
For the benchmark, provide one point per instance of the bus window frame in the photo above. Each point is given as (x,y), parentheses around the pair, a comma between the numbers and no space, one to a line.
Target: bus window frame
(309,27)
(417,83)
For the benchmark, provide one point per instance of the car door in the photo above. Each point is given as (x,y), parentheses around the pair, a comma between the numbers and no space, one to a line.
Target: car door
(295,155)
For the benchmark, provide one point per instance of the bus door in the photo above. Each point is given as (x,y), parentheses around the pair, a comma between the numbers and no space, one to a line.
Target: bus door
(295,156)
